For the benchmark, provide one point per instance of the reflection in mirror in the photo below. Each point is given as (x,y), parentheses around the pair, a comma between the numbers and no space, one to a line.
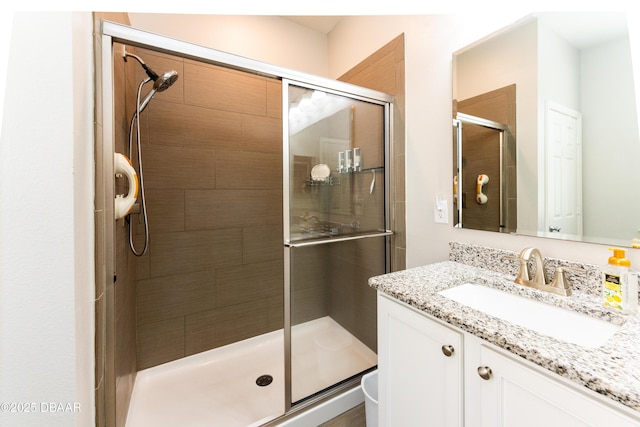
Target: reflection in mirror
(577,128)
(484,169)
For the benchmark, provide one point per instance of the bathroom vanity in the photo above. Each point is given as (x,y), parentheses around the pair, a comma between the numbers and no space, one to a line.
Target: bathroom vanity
(443,363)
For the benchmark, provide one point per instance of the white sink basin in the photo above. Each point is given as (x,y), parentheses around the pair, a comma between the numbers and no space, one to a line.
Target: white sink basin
(546,319)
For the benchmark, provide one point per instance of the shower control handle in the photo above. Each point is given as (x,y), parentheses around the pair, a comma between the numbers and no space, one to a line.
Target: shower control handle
(447,350)
(485,372)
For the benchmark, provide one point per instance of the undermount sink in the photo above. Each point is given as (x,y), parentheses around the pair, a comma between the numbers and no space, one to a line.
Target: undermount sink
(546,319)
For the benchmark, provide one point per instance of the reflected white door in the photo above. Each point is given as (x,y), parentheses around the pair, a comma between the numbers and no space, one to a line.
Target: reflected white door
(563,148)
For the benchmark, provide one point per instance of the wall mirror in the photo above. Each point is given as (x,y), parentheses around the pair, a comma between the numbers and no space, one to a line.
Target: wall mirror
(546,130)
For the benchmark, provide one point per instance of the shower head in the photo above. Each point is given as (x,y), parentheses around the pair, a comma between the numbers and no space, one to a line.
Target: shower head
(160,83)
(165,81)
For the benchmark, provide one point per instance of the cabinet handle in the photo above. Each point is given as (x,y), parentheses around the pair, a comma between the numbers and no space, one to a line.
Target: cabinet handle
(447,350)
(485,372)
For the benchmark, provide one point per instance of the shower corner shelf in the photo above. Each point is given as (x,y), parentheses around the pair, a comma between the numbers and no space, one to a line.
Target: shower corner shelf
(330,180)
(335,180)
(372,168)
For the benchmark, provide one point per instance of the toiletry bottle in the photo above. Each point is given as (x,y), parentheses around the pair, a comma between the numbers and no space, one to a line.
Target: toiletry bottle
(348,167)
(620,287)
(357,160)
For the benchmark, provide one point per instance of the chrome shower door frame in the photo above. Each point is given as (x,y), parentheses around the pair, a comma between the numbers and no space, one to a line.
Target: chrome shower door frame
(356,93)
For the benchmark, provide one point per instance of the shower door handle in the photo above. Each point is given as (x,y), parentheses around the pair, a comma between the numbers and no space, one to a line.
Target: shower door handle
(337,239)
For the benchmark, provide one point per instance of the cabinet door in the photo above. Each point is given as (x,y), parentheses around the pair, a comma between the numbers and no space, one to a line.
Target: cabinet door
(518,395)
(419,385)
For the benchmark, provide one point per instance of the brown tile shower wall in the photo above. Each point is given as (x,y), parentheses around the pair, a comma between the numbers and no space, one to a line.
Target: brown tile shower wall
(351,301)
(213,274)
(212,152)
(310,273)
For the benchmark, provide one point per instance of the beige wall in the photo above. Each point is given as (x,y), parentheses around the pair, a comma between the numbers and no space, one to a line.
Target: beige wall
(269,39)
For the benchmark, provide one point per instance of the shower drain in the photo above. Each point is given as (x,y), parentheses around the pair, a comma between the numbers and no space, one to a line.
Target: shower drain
(264,380)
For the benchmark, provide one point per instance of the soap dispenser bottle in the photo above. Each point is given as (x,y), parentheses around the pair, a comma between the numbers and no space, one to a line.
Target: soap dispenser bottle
(620,287)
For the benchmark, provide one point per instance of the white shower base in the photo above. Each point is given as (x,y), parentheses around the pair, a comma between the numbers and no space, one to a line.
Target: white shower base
(218,387)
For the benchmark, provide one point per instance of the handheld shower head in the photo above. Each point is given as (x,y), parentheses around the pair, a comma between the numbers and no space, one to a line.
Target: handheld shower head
(160,83)
(165,81)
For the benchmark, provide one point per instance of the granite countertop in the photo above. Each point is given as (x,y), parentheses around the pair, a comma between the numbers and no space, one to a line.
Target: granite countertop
(613,370)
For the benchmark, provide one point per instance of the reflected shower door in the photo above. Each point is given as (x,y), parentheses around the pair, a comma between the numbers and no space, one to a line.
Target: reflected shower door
(484,175)
(335,234)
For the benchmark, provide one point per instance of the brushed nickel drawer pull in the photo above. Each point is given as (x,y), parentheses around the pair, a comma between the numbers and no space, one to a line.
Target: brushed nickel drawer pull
(447,350)
(485,372)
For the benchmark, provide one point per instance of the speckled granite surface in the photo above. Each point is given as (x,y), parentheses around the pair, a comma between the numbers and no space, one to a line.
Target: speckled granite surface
(612,370)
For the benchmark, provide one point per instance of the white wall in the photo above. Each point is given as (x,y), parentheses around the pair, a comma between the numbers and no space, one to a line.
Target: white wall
(558,82)
(46,222)
(597,81)
(610,137)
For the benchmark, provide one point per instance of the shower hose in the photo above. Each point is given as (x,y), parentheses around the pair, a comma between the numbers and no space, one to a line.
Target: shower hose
(135,120)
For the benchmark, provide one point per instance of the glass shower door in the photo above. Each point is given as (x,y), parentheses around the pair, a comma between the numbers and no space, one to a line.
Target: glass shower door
(335,235)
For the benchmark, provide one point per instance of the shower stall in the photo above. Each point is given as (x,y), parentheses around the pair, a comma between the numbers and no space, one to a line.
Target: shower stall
(265,210)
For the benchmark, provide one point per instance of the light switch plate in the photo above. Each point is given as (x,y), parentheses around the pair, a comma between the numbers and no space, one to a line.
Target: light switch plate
(440,211)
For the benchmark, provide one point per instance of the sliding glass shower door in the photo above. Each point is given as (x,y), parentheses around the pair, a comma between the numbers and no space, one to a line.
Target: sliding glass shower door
(335,234)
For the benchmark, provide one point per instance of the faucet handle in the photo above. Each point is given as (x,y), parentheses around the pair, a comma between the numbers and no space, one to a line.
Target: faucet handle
(560,280)
(523,271)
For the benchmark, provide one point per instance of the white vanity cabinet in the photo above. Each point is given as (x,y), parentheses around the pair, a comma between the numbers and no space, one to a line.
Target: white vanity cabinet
(477,385)
(518,393)
(419,369)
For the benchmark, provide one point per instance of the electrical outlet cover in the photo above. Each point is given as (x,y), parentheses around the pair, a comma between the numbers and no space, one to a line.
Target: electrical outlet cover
(440,211)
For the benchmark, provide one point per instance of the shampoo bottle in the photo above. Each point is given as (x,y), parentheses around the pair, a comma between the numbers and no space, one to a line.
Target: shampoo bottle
(620,286)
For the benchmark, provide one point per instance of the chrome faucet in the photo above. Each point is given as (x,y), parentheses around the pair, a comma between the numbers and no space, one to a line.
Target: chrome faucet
(538,278)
